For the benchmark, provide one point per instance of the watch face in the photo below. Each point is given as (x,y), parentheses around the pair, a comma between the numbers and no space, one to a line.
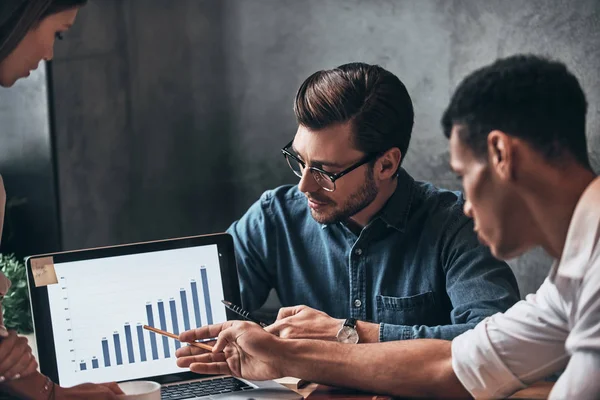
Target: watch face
(347,335)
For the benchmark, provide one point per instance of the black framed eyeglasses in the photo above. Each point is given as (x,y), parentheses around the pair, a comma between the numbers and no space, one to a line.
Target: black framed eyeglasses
(325,179)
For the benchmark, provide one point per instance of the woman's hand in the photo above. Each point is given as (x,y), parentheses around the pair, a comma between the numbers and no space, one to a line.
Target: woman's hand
(16,359)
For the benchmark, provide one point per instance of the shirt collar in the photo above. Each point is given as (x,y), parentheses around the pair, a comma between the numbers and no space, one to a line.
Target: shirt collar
(395,211)
(583,236)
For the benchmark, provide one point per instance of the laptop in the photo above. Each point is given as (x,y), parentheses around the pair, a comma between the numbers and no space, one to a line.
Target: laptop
(89,307)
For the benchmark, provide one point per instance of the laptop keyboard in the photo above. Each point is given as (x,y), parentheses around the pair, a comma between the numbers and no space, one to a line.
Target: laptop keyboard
(204,388)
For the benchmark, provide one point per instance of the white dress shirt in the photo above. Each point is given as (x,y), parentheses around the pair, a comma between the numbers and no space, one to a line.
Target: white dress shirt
(557,327)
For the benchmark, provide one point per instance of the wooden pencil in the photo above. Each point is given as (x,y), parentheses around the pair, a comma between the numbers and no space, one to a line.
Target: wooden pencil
(173,336)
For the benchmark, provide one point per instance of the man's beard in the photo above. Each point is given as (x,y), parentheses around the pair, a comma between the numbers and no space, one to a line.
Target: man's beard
(357,201)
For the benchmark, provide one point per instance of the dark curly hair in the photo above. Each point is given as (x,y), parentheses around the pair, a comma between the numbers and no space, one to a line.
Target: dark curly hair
(526,96)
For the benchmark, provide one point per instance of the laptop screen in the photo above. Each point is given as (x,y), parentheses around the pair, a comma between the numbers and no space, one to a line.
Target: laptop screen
(99,305)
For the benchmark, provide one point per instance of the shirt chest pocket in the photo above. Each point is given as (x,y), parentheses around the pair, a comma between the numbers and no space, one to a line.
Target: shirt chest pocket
(413,310)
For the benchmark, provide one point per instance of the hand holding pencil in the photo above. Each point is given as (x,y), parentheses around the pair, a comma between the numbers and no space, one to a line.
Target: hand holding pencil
(173,336)
(236,309)
(241,346)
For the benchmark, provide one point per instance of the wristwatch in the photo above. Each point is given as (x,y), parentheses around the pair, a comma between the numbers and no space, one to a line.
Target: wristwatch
(348,333)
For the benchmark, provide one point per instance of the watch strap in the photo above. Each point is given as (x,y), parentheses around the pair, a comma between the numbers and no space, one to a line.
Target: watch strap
(351,323)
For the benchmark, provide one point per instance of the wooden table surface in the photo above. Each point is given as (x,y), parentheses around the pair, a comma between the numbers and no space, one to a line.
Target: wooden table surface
(539,390)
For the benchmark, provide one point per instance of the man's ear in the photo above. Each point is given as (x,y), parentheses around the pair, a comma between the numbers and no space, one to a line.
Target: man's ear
(388,163)
(500,154)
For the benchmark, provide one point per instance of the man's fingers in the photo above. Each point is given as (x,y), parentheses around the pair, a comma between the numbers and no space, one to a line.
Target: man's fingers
(189,351)
(284,329)
(285,312)
(207,358)
(204,332)
(220,368)
(232,333)
(227,336)
(276,327)
(226,332)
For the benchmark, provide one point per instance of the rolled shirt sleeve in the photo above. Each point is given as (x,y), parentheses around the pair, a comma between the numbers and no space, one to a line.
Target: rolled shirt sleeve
(479,368)
(509,351)
(581,379)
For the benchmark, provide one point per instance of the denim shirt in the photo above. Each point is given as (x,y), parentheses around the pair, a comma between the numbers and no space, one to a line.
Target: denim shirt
(417,268)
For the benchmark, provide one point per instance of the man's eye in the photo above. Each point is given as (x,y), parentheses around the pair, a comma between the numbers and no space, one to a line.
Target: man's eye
(58,35)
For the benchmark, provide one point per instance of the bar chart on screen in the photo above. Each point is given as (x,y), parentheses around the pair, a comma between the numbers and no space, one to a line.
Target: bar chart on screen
(99,307)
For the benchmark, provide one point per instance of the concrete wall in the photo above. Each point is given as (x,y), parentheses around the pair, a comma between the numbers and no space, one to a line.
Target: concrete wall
(31,223)
(170,114)
(142,138)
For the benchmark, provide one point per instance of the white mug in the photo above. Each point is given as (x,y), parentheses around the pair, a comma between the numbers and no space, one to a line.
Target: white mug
(140,390)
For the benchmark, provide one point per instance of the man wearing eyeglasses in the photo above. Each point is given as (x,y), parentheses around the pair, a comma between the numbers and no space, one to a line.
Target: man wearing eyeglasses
(359,251)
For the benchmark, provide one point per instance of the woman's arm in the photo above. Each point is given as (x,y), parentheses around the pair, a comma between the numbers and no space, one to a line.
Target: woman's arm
(38,386)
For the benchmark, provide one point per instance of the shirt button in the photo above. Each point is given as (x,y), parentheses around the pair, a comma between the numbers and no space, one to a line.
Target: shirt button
(358,252)
(357,303)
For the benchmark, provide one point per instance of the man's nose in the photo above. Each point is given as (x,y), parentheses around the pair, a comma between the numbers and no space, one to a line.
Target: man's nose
(307,182)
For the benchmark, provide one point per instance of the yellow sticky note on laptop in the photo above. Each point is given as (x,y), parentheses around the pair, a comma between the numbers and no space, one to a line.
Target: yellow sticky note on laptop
(43,271)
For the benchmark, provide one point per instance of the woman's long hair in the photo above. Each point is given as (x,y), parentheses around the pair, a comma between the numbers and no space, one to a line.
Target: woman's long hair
(17,17)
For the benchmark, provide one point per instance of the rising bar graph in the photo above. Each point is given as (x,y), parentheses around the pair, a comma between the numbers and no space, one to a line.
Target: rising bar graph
(175,315)
(162,316)
(106,312)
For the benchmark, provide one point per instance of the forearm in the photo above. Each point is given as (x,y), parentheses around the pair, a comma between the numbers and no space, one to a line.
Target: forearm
(417,368)
(39,387)
(368,332)
(389,332)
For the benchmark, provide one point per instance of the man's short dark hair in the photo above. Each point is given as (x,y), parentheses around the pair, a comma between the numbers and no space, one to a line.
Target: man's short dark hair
(373,99)
(526,96)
